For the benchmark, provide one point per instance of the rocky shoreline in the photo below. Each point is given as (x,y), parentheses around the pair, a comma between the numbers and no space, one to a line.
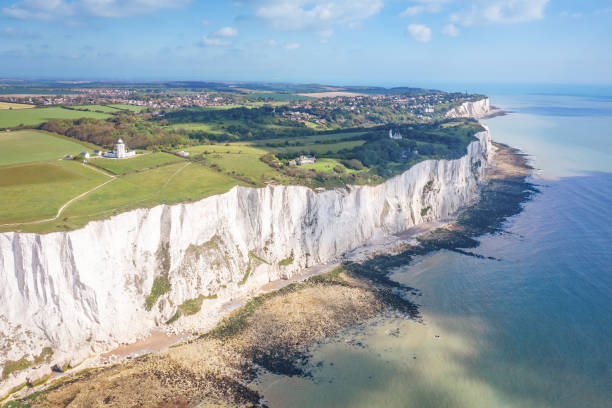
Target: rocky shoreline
(273,331)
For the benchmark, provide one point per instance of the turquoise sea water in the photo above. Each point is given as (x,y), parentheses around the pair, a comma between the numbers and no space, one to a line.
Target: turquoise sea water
(533,329)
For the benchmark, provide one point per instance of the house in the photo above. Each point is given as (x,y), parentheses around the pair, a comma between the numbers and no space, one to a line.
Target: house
(67,157)
(182,153)
(120,151)
(395,136)
(303,160)
(97,153)
(84,155)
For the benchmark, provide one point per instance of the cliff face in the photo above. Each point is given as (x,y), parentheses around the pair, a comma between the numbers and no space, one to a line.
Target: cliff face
(477,110)
(84,291)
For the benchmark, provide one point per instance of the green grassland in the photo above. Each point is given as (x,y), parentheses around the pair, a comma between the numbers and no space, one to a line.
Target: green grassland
(96,108)
(169,184)
(35,191)
(320,148)
(327,166)
(204,127)
(132,108)
(137,163)
(36,116)
(178,182)
(30,145)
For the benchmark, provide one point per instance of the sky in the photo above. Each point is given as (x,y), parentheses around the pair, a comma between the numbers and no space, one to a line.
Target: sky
(383,42)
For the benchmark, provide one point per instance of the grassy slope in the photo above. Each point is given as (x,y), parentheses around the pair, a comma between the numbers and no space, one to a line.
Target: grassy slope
(139,162)
(169,184)
(36,191)
(30,117)
(30,145)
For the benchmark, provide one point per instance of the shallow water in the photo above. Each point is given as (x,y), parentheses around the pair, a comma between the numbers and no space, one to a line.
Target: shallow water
(533,329)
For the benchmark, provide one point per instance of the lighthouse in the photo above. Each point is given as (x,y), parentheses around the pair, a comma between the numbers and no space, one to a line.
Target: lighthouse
(120,149)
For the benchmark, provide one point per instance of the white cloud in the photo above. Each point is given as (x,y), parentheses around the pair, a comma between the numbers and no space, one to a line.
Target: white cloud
(292,46)
(451,30)
(272,43)
(205,22)
(220,37)
(212,40)
(226,32)
(412,11)
(293,15)
(424,6)
(53,9)
(419,32)
(502,11)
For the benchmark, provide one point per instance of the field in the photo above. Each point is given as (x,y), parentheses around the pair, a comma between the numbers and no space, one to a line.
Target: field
(240,159)
(35,191)
(204,127)
(9,105)
(281,97)
(327,166)
(133,108)
(96,108)
(174,183)
(137,163)
(30,146)
(36,116)
(322,148)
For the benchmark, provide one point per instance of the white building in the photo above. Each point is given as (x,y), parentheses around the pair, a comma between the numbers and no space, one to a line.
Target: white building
(85,155)
(183,153)
(303,160)
(120,151)
(396,136)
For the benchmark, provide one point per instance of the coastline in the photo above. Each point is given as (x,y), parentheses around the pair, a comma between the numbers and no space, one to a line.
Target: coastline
(274,329)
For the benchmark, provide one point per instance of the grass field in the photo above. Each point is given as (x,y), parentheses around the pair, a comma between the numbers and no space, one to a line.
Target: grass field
(36,191)
(10,105)
(36,116)
(94,108)
(319,148)
(204,127)
(178,182)
(239,158)
(140,162)
(132,108)
(30,146)
(327,166)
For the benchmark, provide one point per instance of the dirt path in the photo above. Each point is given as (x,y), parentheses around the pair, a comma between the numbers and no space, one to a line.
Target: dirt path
(63,207)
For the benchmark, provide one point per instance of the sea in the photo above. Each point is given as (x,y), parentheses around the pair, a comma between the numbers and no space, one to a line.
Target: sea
(532,328)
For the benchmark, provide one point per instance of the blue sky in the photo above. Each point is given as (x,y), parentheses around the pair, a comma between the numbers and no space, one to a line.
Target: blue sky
(387,42)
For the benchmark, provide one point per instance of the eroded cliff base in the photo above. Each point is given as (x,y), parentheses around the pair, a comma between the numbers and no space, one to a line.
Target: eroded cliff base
(273,331)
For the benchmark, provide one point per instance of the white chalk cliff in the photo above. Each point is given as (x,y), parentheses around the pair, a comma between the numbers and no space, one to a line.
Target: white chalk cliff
(83,292)
(477,109)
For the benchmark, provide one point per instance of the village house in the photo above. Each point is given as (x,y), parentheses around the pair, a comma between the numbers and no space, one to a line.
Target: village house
(303,160)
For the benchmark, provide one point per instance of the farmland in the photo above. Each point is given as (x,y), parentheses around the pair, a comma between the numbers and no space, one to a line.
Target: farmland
(30,146)
(30,117)
(8,105)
